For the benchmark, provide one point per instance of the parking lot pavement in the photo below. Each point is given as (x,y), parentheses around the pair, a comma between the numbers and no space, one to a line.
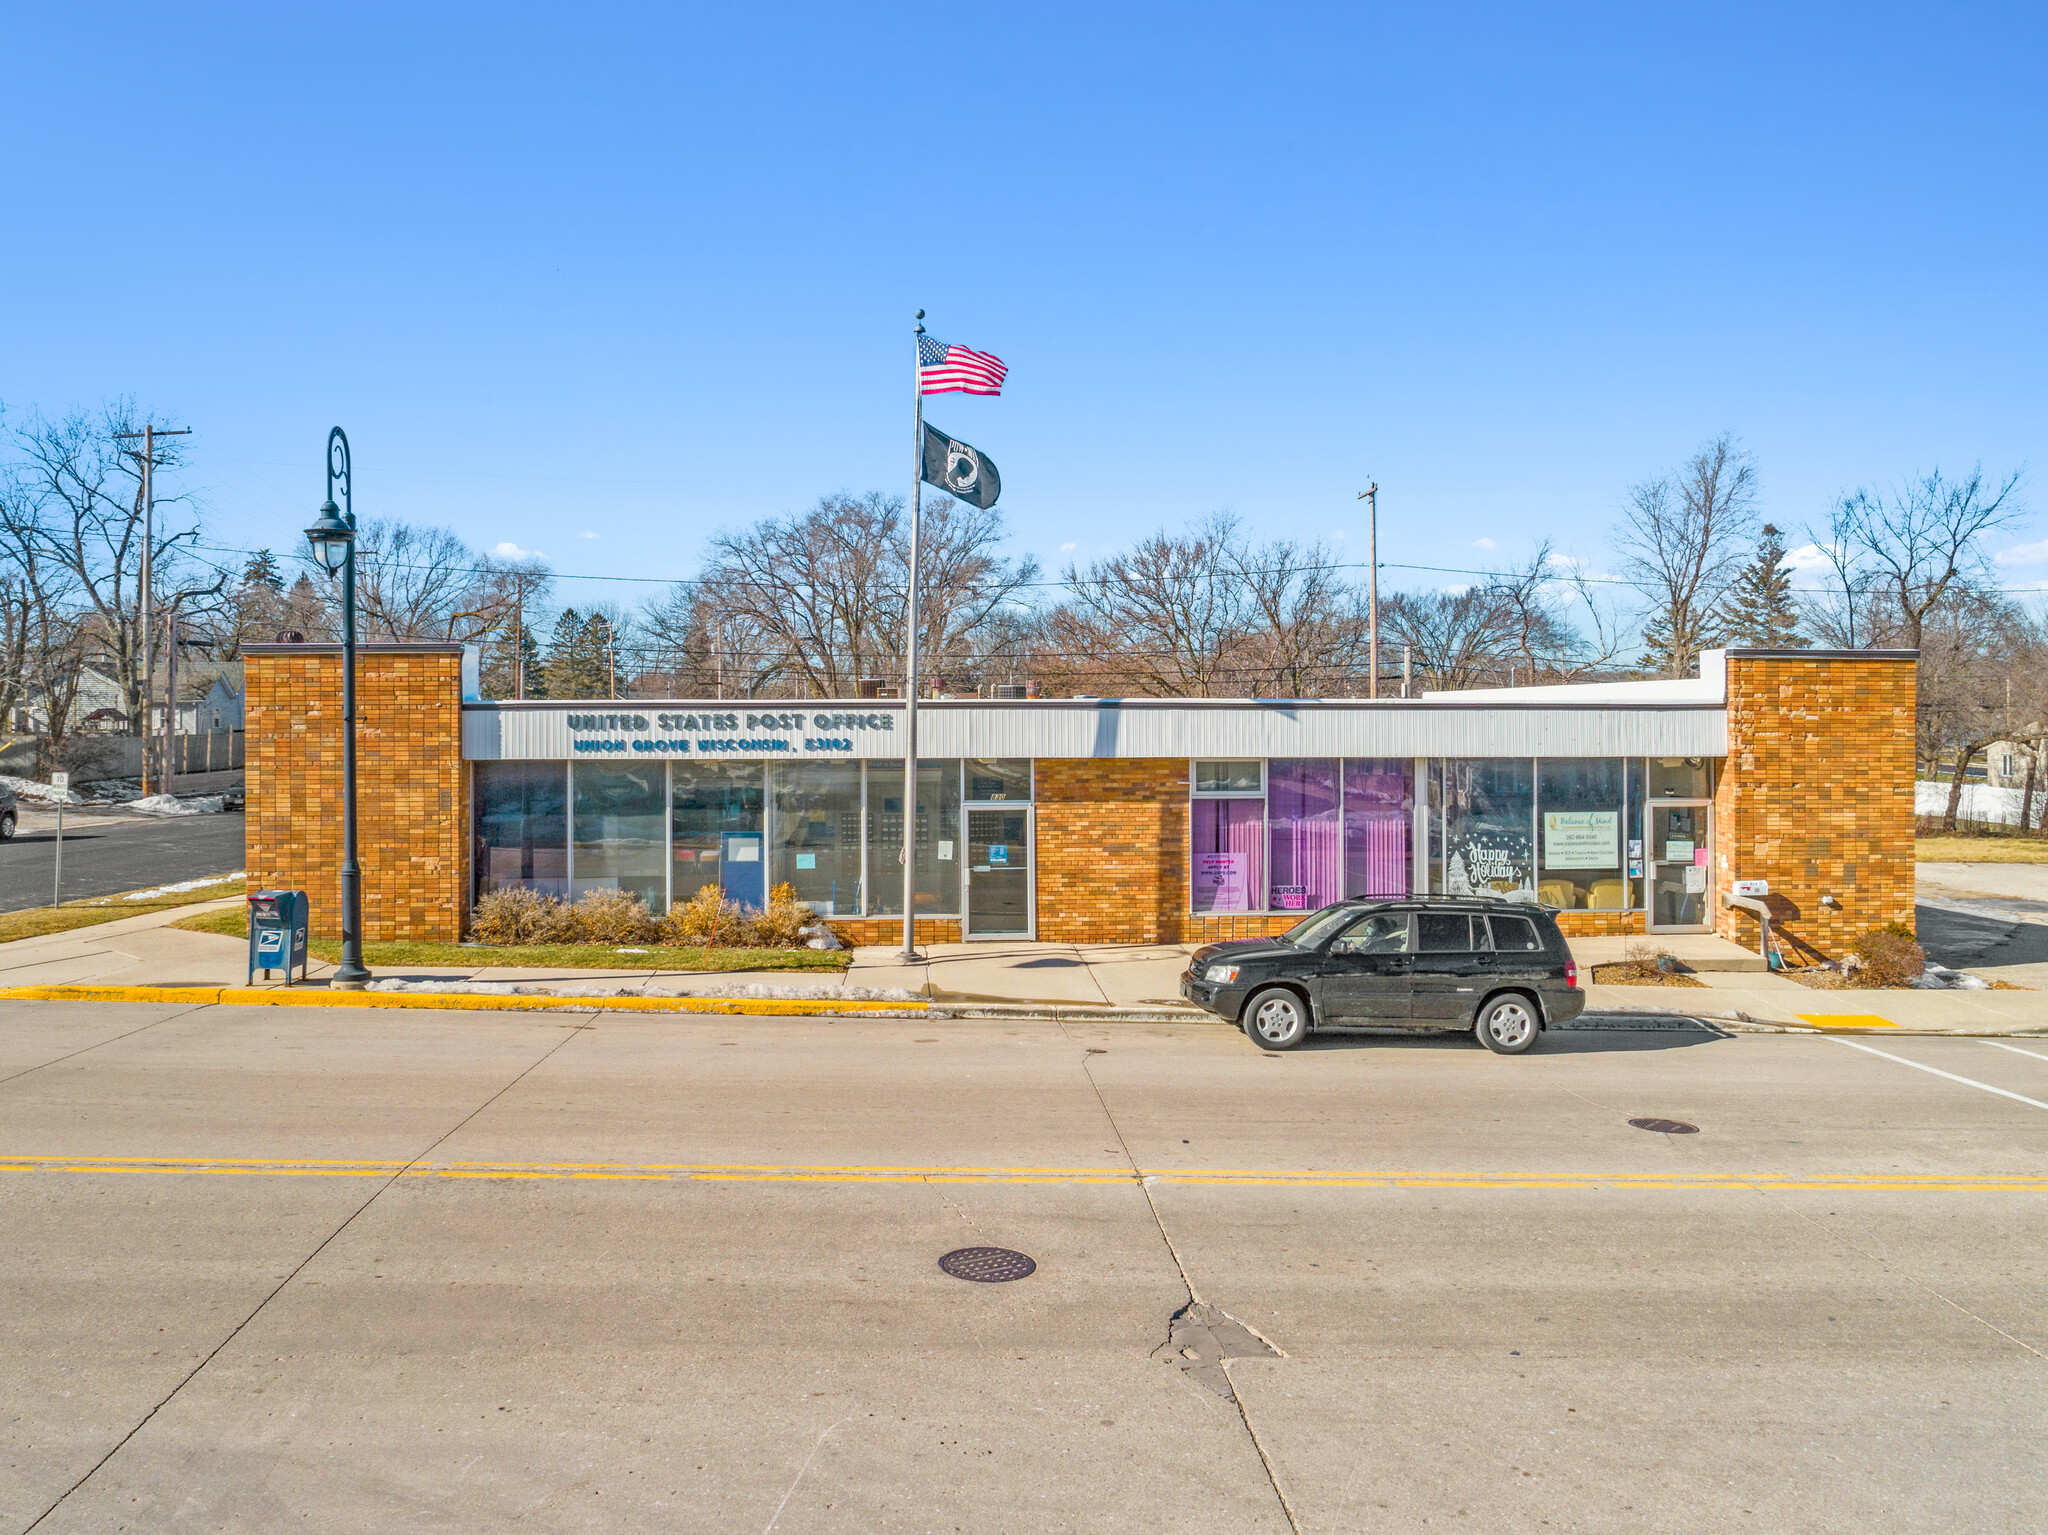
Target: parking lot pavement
(108,854)
(399,1270)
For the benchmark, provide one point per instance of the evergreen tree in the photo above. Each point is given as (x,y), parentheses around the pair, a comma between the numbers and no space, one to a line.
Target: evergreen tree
(576,660)
(499,678)
(261,570)
(1760,611)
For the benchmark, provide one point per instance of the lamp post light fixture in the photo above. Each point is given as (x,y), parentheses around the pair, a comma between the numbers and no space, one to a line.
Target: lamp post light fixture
(333,537)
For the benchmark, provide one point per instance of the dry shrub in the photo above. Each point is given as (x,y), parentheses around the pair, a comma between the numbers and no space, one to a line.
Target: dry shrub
(1642,960)
(781,925)
(706,919)
(516,914)
(613,916)
(1888,956)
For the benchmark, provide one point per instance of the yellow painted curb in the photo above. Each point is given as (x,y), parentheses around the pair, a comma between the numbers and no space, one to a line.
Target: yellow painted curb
(461,1002)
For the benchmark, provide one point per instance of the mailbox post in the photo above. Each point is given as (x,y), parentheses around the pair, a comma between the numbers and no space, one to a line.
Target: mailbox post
(277,933)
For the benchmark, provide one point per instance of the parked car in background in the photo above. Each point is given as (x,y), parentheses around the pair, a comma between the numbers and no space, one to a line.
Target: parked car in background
(10,813)
(1499,968)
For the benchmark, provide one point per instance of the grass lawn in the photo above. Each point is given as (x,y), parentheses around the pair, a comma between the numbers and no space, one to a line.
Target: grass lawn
(1979,850)
(39,920)
(553,956)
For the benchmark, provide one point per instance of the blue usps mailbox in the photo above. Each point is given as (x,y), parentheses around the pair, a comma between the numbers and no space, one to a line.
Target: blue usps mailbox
(277,933)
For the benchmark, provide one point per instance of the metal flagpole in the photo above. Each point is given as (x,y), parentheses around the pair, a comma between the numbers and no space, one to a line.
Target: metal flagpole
(910,667)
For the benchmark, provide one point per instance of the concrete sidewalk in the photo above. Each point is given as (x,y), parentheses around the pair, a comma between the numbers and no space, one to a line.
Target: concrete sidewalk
(1127,980)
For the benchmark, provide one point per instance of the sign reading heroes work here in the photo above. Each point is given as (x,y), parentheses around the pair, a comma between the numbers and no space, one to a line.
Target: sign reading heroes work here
(1581,839)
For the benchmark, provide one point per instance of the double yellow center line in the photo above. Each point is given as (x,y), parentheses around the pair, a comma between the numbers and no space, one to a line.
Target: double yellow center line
(703,1172)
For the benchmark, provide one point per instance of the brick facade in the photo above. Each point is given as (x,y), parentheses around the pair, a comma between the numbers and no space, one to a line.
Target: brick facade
(412,786)
(1112,849)
(1817,793)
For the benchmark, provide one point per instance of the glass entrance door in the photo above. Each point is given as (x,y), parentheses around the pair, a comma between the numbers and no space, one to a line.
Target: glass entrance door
(999,873)
(1679,871)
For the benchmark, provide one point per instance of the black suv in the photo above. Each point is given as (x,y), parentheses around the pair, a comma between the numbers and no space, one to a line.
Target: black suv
(1499,968)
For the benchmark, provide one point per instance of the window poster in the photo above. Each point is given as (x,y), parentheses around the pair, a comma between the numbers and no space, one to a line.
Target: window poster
(1678,850)
(1490,860)
(1695,880)
(1220,882)
(1581,839)
(1290,897)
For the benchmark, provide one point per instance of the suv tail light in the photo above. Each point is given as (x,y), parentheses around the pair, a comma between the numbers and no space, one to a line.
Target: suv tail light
(1571,974)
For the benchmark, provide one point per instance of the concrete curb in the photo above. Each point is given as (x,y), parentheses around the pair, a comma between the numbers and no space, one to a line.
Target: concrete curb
(250,996)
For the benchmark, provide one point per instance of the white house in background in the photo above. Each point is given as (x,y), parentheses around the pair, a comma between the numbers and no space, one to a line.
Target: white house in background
(209,702)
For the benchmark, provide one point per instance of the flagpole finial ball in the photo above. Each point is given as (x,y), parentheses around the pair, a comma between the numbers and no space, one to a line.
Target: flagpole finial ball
(920,314)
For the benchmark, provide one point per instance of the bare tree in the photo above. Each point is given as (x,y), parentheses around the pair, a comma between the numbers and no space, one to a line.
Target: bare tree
(813,602)
(1898,555)
(1160,620)
(1683,535)
(79,496)
(1983,678)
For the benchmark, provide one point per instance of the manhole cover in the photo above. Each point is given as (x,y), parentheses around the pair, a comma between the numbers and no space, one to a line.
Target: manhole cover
(1666,1126)
(988,1265)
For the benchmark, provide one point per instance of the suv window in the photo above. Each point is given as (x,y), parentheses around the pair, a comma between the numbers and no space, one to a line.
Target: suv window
(1446,932)
(1384,932)
(1515,935)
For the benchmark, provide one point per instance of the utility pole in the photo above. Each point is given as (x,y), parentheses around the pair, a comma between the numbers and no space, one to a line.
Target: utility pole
(519,636)
(1371,497)
(146,628)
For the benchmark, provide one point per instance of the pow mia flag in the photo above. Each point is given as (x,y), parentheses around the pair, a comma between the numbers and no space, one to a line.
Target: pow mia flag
(959,470)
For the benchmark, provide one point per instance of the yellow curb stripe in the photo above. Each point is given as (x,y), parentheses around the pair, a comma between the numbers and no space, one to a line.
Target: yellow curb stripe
(462,1002)
(1198,1177)
(1845,1020)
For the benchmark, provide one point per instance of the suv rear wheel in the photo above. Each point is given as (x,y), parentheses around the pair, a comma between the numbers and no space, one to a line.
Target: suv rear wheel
(6,825)
(1276,1019)
(1507,1024)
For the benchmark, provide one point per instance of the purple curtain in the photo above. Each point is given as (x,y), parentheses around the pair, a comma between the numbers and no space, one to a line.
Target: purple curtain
(1379,802)
(1228,871)
(1306,833)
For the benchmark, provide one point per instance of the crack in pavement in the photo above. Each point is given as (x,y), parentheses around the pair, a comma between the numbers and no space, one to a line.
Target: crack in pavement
(568,1034)
(111,1040)
(1195,1326)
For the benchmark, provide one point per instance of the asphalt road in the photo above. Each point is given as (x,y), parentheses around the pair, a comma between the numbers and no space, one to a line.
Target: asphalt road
(105,857)
(271,1269)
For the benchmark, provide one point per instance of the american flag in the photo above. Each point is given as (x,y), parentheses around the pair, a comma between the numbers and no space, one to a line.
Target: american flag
(946,369)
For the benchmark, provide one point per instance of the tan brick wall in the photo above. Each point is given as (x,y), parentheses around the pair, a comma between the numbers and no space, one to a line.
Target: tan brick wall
(1817,795)
(1112,850)
(412,786)
(859,930)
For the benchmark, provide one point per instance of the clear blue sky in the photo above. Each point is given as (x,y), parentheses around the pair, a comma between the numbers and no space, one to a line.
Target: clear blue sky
(645,271)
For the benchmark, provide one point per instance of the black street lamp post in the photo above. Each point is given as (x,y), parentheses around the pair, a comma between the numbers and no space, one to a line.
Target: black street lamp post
(333,538)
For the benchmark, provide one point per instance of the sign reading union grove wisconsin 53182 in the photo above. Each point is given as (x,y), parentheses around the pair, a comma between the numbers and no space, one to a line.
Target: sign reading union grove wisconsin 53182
(713,734)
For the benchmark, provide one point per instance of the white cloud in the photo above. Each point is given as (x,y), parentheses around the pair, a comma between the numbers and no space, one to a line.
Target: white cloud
(2024,554)
(586,533)
(1807,558)
(1564,561)
(1483,543)
(1340,534)
(511,551)
(1067,548)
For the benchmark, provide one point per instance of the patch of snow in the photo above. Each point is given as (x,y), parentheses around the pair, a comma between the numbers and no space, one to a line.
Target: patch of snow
(42,793)
(171,804)
(613,989)
(183,885)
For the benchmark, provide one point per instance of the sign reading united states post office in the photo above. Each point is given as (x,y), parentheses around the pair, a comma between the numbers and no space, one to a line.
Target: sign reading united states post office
(584,732)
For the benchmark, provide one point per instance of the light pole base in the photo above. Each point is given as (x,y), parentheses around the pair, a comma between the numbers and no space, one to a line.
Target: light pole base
(911,957)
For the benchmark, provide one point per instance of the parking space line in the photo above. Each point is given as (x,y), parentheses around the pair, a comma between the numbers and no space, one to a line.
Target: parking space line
(2015,1049)
(2034,1103)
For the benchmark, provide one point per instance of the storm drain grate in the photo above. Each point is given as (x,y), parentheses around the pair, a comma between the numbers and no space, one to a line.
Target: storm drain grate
(988,1265)
(1666,1126)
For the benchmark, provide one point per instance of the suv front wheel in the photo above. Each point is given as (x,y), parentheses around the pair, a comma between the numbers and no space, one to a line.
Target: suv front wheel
(6,825)
(1507,1024)
(1276,1019)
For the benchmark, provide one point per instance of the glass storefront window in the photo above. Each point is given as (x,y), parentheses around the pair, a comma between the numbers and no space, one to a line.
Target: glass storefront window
(1228,778)
(1681,778)
(1005,779)
(1228,844)
(937,843)
(522,827)
(715,829)
(1583,833)
(1489,821)
(1305,834)
(817,834)
(1379,820)
(1633,833)
(620,826)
